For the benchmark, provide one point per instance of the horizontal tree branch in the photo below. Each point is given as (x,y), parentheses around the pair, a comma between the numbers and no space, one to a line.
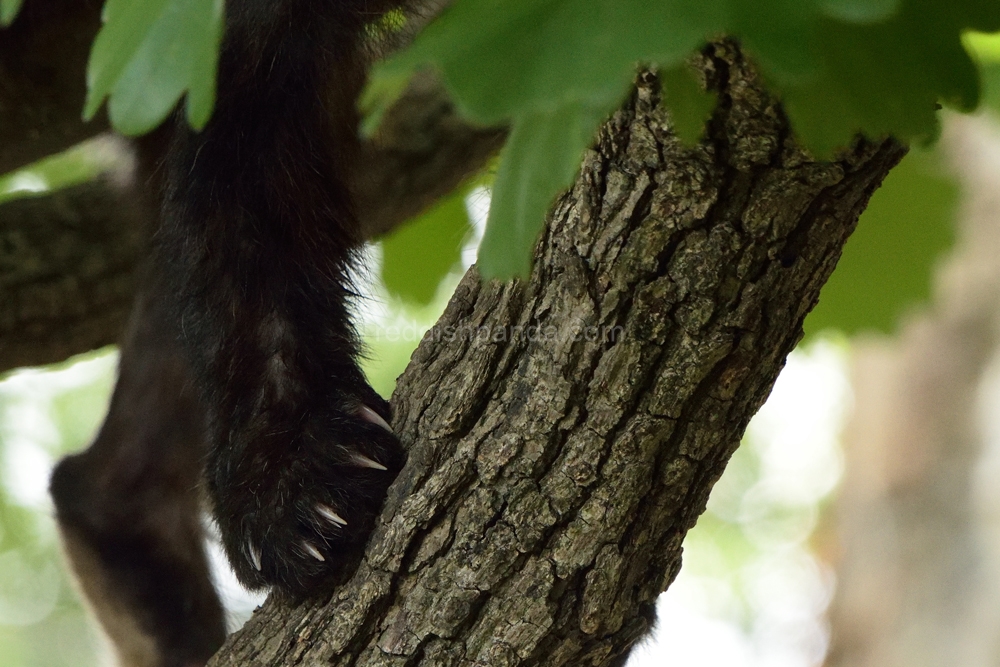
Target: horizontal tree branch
(67,265)
(564,432)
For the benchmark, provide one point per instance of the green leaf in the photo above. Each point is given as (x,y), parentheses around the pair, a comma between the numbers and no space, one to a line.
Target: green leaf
(690,105)
(75,165)
(381,93)
(884,79)
(979,15)
(985,47)
(860,11)
(556,68)
(540,160)
(417,256)
(886,265)
(781,34)
(991,86)
(148,54)
(8,11)
(503,58)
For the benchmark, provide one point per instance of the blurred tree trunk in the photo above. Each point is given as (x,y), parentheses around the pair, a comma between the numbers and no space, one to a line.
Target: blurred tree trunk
(918,584)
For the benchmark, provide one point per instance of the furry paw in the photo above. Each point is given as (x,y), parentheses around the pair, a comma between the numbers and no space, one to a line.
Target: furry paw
(297,502)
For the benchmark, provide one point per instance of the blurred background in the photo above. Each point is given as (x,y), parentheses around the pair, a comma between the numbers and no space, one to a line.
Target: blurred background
(859,522)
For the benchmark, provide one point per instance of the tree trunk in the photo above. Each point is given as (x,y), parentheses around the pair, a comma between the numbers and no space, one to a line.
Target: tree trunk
(564,432)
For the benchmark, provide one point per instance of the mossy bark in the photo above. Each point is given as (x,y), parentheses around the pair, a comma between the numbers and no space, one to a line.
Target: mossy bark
(564,431)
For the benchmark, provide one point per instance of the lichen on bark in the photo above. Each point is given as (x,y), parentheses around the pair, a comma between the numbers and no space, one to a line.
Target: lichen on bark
(564,431)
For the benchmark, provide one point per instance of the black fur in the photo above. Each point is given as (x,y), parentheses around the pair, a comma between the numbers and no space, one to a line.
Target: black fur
(257,240)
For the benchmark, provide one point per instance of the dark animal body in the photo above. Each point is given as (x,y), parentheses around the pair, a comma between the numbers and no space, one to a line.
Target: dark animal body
(251,274)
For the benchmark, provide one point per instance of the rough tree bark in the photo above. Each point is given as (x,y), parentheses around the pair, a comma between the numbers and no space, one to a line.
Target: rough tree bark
(66,272)
(564,432)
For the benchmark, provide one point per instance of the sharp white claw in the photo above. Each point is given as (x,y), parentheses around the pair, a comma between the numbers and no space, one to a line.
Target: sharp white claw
(328,514)
(254,556)
(365,462)
(370,415)
(313,551)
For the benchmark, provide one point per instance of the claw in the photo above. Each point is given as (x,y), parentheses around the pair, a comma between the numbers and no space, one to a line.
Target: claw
(328,514)
(313,551)
(254,556)
(365,462)
(370,415)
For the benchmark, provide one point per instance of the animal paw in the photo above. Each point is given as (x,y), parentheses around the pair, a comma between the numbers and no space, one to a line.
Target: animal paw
(296,502)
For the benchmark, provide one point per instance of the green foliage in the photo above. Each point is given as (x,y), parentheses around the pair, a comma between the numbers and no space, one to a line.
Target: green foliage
(991,86)
(8,11)
(886,265)
(543,148)
(688,102)
(71,167)
(554,69)
(148,54)
(986,49)
(859,11)
(417,256)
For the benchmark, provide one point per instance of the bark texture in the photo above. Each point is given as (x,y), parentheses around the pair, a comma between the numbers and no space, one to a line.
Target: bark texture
(564,432)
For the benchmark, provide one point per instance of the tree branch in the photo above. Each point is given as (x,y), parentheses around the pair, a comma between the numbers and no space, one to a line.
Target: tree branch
(564,432)
(423,150)
(67,264)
